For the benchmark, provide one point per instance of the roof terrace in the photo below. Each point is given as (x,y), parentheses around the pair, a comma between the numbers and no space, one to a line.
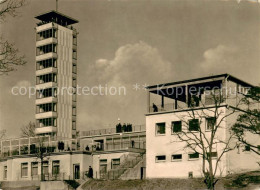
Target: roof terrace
(187,94)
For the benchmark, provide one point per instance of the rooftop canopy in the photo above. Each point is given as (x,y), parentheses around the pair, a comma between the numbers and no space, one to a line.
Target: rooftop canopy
(59,18)
(228,76)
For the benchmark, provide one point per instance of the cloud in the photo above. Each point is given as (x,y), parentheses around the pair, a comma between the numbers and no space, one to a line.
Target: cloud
(219,59)
(23,83)
(134,63)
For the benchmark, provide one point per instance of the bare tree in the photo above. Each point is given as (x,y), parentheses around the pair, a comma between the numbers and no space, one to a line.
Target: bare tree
(2,134)
(9,57)
(209,143)
(248,122)
(9,7)
(28,130)
(41,151)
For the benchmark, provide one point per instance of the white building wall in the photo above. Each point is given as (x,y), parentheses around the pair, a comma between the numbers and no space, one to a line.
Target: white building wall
(169,144)
(64,79)
(66,166)
(109,157)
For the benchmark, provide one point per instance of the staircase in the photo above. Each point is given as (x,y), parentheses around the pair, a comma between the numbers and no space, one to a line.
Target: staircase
(128,163)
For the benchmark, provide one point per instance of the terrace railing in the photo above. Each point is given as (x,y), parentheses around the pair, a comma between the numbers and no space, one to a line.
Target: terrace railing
(135,128)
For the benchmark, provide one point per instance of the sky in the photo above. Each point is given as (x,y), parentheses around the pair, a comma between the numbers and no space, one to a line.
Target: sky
(128,42)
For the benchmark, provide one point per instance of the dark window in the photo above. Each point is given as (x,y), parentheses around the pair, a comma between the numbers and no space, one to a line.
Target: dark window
(74,40)
(194,155)
(51,77)
(46,49)
(176,126)
(73,125)
(44,93)
(46,108)
(45,167)
(50,33)
(160,158)
(103,166)
(212,154)
(46,122)
(194,125)
(24,169)
(247,148)
(210,123)
(160,128)
(46,64)
(177,157)
(5,172)
(115,163)
(34,168)
(55,167)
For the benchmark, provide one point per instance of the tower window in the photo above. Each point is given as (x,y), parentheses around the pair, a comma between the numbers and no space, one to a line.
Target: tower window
(46,49)
(46,64)
(50,33)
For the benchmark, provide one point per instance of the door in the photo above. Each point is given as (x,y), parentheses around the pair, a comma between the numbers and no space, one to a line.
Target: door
(76,171)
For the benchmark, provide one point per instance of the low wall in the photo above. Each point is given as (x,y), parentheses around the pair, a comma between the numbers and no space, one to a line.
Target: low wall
(30,185)
(54,185)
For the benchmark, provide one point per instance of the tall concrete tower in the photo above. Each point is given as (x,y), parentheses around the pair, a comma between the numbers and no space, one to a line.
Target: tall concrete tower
(56,75)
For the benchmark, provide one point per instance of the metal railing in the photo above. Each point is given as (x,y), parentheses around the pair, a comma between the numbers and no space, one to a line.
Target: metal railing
(116,146)
(135,128)
(130,161)
(60,176)
(32,145)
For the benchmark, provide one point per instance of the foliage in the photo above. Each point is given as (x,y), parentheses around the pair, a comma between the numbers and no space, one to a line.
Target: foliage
(207,143)
(28,130)
(248,122)
(9,57)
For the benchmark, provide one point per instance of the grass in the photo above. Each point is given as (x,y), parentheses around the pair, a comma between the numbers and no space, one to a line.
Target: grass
(239,181)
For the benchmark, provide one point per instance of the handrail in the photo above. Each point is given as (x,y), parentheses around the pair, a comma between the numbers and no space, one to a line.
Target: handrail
(135,128)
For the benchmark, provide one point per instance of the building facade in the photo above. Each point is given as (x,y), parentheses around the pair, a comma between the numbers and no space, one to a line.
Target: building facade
(178,111)
(56,75)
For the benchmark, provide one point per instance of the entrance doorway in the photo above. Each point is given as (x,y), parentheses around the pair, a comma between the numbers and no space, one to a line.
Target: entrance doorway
(76,171)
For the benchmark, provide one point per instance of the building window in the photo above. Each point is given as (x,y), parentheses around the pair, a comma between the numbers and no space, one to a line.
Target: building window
(74,54)
(161,158)
(74,40)
(46,49)
(51,77)
(45,167)
(50,33)
(48,92)
(74,69)
(103,166)
(160,128)
(24,169)
(5,172)
(73,125)
(46,122)
(176,126)
(74,111)
(34,168)
(115,163)
(46,64)
(74,82)
(194,125)
(46,108)
(247,148)
(55,167)
(210,123)
(194,156)
(176,157)
(212,154)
